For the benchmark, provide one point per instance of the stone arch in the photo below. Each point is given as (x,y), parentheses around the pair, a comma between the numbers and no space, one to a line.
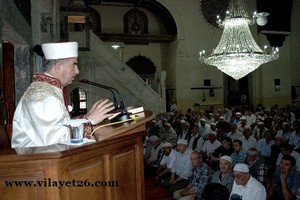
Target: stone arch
(145,68)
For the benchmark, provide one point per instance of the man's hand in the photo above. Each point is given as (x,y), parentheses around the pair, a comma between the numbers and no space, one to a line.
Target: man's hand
(172,180)
(283,175)
(99,111)
(183,192)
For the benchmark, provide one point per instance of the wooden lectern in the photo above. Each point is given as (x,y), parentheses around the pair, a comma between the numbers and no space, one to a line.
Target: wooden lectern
(109,169)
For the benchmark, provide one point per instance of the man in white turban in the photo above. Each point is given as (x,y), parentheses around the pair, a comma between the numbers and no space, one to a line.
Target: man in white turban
(39,116)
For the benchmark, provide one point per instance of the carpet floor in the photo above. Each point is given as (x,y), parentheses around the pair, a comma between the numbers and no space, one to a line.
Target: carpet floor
(155,191)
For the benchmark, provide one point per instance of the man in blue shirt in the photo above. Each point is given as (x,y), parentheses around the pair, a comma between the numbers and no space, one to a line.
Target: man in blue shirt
(285,180)
(201,176)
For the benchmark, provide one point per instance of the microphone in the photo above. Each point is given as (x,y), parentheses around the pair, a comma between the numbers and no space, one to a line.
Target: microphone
(124,115)
(116,105)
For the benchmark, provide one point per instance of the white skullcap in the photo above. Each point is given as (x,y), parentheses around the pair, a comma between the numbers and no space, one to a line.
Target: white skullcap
(285,123)
(240,167)
(228,158)
(202,119)
(253,153)
(182,121)
(278,135)
(167,144)
(213,133)
(182,141)
(153,138)
(243,118)
(60,50)
(238,113)
(213,124)
(222,117)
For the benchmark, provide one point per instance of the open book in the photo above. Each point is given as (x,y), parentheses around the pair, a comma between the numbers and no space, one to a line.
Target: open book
(131,109)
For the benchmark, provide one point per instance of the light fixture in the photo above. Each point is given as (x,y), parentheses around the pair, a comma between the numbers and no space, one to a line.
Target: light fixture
(115,46)
(237,53)
(261,18)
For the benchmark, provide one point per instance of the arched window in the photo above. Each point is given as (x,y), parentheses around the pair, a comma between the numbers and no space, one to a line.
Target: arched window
(135,22)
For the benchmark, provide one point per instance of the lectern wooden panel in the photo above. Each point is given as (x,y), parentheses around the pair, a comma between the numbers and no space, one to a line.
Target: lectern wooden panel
(110,168)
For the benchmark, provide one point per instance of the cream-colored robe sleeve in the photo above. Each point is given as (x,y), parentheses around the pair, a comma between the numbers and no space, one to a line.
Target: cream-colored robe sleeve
(39,116)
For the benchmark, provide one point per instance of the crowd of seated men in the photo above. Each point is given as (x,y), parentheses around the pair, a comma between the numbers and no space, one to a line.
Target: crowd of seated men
(235,153)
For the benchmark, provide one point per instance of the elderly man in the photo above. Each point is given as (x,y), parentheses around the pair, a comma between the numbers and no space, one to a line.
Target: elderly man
(211,144)
(264,146)
(259,130)
(222,124)
(182,168)
(154,157)
(204,128)
(249,142)
(167,162)
(39,116)
(257,167)
(224,176)
(241,127)
(285,180)
(168,134)
(245,186)
(234,134)
(200,178)
(184,133)
(195,141)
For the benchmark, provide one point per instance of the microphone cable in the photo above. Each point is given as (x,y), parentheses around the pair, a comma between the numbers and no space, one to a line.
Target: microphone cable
(132,117)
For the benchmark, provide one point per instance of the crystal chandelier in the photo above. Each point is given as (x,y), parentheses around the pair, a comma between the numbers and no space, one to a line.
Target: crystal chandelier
(237,53)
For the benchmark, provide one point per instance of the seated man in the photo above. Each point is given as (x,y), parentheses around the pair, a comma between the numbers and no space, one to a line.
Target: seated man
(245,186)
(168,134)
(225,175)
(285,180)
(264,146)
(195,141)
(167,162)
(225,149)
(257,167)
(152,160)
(200,178)
(238,155)
(211,144)
(182,168)
(287,149)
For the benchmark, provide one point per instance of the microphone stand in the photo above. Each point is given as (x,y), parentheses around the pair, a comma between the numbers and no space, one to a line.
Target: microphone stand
(124,114)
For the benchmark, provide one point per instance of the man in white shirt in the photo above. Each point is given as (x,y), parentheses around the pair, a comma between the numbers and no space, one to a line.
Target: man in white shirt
(211,144)
(182,168)
(245,186)
(167,162)
(249,142)
(204,128)
(234,134)
(250,117)
(184,132)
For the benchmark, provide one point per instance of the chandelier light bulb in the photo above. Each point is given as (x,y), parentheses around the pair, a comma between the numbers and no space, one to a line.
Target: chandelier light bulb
(261,18)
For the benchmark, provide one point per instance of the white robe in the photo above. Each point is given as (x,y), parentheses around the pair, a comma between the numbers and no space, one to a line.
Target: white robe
(38,117)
